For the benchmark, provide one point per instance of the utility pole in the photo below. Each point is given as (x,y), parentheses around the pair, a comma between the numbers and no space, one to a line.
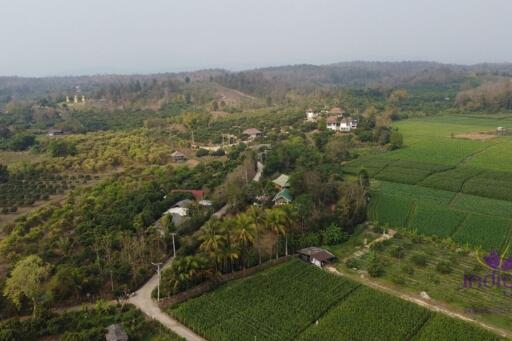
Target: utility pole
(158,286)
(173,245)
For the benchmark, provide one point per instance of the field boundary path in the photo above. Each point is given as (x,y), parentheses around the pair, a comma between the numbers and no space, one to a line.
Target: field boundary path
(366,248)
(421,302)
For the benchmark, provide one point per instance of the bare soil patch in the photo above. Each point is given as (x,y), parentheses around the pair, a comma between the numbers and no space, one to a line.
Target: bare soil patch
(481,135)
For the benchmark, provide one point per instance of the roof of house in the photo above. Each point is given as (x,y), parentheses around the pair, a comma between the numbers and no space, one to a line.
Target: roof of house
(186,203)
(317,253)
(336,110)
(283,194)
(331,119)
(205,203)
(116,333)
(178,154)
(282,180)
(181,211)
(197,193)
(251,131)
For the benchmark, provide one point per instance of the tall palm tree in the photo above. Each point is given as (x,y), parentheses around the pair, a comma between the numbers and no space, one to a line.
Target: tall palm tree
(212,240)
(258,220)
(230,251)
(291,220)
(275,222)
(244,233)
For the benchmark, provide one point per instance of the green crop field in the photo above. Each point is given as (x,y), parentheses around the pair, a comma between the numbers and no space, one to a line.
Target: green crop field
(443,183)
(390,210)
(369,315)
(285,301)
(476,204)
(487,232)
(450,180)
(275,304)
(490,184)
(435,220)
(444,328)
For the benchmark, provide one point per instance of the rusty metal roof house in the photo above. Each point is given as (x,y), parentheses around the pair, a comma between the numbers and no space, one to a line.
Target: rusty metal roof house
(316,256)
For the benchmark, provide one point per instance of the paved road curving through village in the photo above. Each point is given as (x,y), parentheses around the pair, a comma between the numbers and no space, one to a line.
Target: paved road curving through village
(148,306)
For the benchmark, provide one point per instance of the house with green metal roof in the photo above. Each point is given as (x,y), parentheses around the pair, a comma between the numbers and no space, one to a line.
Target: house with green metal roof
(283,197)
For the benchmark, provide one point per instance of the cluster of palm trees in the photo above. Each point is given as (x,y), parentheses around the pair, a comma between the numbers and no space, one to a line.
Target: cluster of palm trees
(226,244)
(229,240)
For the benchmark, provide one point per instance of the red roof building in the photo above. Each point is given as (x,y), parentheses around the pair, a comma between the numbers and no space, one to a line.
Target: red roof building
(198,194)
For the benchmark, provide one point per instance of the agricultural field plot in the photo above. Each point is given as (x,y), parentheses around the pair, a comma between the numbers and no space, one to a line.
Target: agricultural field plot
(283,303)
(496,158)
(402,270)
(25,190)
(390,210)
(490,184)
(491,233)
(414,193)
(441,327)
(450,180)
(369,315)
(435,220)
(476,204)
(402,175)
(468,178)
(470,220)
(445,126)
(372,164)
(275,304)
(440,151)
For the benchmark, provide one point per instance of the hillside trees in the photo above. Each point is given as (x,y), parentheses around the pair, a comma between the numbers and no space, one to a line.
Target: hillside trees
(4,173)
(491,96)
(27,281)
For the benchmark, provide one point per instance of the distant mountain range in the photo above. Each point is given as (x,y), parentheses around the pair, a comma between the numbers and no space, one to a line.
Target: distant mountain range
(263,81)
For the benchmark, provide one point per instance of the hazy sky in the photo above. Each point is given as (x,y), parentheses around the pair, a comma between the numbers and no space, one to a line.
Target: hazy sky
(63,37)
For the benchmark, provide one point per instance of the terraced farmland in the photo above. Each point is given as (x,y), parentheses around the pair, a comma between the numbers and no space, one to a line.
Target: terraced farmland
(442,185)
(467,219)
(284,302)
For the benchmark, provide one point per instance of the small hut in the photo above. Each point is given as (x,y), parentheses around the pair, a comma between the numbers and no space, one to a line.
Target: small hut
(316,256)
(501,131)
(178,157)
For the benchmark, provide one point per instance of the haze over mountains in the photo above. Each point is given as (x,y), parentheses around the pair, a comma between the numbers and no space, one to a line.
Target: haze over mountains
(260,81)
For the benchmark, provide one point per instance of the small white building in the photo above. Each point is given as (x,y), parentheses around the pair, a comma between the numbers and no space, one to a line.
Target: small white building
(332,123)
(311,115)
(344,125)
